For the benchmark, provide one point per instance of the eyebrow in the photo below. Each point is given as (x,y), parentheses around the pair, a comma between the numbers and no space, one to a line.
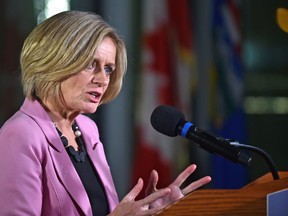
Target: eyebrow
(96,60)
(111,65)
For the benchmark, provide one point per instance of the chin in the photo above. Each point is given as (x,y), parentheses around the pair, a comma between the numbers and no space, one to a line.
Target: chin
(88,108)
(91,110)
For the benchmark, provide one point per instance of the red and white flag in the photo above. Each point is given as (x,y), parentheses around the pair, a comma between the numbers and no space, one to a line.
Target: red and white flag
(166,78)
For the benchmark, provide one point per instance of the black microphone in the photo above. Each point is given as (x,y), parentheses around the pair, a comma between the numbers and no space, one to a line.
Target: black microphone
(169,121)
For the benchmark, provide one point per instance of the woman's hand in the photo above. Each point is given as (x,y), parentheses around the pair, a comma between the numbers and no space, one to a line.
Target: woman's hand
(128,206)
(176,192)
(155,199)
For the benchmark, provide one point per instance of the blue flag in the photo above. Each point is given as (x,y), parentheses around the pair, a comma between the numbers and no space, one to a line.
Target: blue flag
(227,114)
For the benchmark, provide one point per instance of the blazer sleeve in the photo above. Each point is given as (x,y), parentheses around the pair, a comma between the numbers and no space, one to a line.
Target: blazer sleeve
(21,171)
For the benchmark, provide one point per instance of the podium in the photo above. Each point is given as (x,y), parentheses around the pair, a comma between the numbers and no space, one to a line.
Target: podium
(249,200)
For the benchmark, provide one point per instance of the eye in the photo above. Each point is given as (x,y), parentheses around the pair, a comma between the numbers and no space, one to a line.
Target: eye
(92,65)
(108,70)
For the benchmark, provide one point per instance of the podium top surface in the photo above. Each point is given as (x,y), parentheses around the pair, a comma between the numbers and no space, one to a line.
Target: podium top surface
(249,200)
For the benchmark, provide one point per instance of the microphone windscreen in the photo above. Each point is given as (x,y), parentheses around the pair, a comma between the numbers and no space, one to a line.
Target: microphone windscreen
(166,119)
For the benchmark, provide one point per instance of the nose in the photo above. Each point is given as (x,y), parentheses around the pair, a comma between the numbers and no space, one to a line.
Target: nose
(100,78)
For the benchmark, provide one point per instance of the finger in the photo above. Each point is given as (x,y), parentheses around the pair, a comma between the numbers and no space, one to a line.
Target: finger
(196,184)
(153,180)
(134,192)
(184,175)
(154,210)
(155,196)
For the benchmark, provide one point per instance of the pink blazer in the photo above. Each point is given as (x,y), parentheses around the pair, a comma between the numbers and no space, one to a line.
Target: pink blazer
(37,176)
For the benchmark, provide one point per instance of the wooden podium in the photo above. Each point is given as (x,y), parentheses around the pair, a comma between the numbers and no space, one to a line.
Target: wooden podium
(249,200)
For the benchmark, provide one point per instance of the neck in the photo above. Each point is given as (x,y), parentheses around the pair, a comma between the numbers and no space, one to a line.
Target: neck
(63,119)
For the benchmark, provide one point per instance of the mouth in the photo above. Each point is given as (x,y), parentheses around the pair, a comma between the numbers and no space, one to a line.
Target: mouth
(95,96)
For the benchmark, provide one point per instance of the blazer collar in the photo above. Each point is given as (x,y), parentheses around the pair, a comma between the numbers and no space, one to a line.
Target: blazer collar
(35,110)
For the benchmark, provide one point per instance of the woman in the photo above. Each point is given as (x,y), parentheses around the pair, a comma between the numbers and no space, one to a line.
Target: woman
(52,160)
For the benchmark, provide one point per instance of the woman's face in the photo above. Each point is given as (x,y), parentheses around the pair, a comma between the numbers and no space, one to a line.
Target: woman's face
(83,92)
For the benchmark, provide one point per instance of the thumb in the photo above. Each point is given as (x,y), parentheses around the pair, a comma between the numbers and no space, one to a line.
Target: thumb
(134,192)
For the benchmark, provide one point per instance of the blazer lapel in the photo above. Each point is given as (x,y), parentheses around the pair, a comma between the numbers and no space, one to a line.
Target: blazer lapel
(97,155)
(70,179)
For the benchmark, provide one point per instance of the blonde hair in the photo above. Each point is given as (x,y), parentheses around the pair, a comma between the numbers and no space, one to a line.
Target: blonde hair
(62,46)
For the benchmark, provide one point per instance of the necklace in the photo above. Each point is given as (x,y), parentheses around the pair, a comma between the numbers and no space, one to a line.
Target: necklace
(78,156)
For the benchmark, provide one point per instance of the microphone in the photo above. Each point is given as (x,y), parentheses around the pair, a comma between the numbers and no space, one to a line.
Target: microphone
(169,121)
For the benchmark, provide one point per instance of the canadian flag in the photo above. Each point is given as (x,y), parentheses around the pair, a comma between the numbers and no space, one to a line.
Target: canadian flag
(166,78)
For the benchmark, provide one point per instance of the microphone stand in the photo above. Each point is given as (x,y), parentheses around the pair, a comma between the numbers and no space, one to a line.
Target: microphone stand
(261,152)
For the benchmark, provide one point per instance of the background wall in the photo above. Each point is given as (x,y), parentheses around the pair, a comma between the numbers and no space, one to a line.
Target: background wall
(266,64)
(264,59)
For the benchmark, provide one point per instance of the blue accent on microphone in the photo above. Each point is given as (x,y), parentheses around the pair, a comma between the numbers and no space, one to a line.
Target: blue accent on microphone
(186,128)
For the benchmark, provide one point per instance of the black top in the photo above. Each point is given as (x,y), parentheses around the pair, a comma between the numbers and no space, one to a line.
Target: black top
(92,185)
(88,175)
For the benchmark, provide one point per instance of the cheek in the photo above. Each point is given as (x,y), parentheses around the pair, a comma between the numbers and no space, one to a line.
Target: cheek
(70,90)
(107,86)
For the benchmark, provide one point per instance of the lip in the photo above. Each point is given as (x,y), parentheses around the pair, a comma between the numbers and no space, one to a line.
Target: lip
(92,98)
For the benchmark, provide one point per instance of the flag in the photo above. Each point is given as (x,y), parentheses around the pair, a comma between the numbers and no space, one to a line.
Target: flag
(166,73)
(227,76)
